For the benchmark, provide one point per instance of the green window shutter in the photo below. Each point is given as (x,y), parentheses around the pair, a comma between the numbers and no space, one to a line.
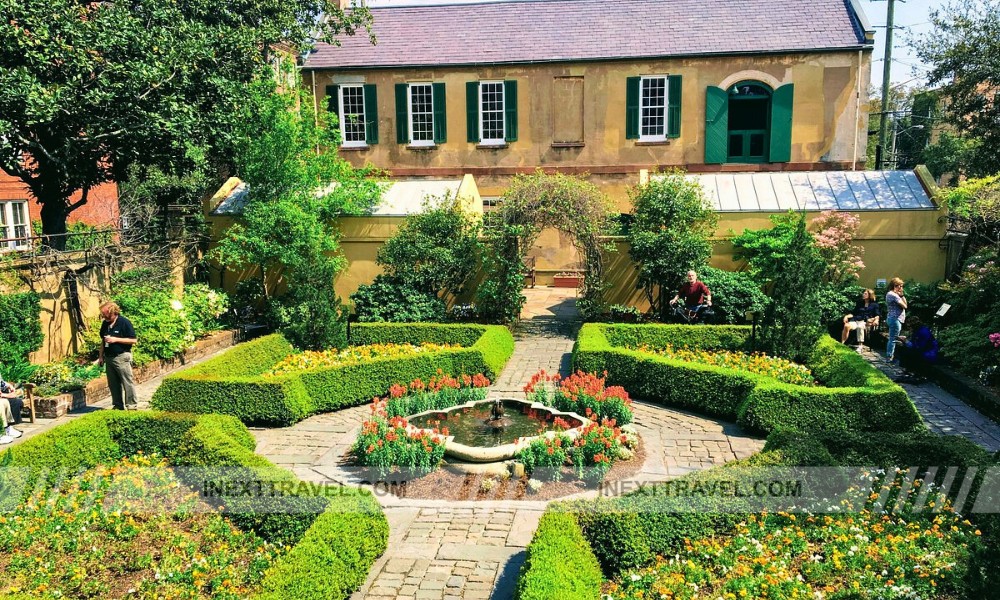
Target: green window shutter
(632,108)
(440,115)
(781,124)
(472,110)
(510,110)
(674,106)
(402,114)
(716,125)
(333,102)
(371,114)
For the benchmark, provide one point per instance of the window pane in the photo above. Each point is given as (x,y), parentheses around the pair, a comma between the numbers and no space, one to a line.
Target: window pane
(491,111)
(421,113)
(352,113)
(756,144)
(735,144)
(749,114)
(654,107)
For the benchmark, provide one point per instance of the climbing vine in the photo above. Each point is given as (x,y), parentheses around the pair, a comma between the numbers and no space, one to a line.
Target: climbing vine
(533,203)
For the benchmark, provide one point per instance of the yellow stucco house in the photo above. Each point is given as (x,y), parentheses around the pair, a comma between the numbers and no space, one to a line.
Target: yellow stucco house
(612,89)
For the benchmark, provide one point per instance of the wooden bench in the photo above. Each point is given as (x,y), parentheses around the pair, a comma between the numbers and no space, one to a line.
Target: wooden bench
(528,265)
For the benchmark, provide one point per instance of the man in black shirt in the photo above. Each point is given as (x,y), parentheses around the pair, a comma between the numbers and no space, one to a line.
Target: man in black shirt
(117,337)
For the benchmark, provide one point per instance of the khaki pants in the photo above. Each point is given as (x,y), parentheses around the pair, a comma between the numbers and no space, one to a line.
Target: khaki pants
(119,372)
(6,414)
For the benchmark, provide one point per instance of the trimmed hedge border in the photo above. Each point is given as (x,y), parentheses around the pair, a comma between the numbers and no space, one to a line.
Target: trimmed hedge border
(559,562)
(336,540)
(860,398)
(232,384)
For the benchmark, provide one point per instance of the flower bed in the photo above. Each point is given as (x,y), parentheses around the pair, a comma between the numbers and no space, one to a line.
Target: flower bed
(582,393)
(332,538)
(386,443)
(854,395)
(592,453)
(143,532)
(233,383)
(313,359)
(757,363)
(813,556)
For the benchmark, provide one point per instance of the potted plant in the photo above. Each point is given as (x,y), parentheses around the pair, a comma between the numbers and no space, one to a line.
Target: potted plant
(567,279)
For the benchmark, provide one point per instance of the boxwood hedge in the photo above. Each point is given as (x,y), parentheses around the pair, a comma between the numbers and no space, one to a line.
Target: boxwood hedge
(335,537)
(559,562)
(232,384)
(856,397)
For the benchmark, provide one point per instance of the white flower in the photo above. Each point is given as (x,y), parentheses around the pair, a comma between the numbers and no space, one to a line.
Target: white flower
(635,577)
(176,305)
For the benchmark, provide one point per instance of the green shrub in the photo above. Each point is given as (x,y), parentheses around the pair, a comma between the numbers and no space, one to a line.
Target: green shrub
(160,323)
(861,398)
(20,327)
(388,299)
(618,539)
(231,383)
(204,307)
(310,315)
(337,536)
(559,563)
(733,294)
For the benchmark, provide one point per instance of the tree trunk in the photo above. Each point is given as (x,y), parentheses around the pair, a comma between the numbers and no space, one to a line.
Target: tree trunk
(54,215)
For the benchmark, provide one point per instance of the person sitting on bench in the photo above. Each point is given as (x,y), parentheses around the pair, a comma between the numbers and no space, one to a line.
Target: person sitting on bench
(695,293)
(11,404)
(865,316)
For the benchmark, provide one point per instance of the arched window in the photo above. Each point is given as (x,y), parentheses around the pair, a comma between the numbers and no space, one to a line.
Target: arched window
(748,122)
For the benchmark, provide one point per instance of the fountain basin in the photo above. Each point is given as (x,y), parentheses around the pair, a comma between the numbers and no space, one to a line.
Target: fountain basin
(470,439)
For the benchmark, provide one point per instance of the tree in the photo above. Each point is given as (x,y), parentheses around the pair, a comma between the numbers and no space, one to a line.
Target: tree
(962,50)
(288,225)
(90,89)
(670,235)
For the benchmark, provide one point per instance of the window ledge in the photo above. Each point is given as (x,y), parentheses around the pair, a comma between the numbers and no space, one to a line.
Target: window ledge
(492,145)
(568,144)
(665,142)
(421,147)
(354,148)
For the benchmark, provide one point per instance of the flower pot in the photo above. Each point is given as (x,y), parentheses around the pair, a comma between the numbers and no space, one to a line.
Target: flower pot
(573,281)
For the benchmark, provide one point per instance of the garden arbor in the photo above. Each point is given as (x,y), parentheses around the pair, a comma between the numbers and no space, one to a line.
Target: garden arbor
(531,204)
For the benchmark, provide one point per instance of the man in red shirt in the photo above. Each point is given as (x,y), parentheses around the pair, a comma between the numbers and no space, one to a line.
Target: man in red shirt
(695,293)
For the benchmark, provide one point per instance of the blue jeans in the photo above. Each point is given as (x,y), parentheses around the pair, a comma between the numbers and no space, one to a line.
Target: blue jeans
(890,347)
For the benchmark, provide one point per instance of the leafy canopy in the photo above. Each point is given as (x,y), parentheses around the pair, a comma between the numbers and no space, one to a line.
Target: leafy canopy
(90,89)
(670,235)
(962,50)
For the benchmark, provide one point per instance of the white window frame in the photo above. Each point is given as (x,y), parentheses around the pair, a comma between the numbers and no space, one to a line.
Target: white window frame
(409,111)
(660,137)
(483,140)
(7,226)
(343,117)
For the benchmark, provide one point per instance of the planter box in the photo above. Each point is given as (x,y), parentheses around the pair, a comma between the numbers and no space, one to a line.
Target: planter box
(97,390)
(574,281)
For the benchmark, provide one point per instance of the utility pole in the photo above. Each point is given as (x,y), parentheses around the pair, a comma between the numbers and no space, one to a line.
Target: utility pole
(886,74)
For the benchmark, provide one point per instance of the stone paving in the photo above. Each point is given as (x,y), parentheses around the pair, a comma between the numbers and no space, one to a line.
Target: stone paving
(469,549)
(942,412)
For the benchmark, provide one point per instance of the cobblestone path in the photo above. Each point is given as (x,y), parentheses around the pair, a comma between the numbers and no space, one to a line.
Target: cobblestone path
(943,412)
(451,550)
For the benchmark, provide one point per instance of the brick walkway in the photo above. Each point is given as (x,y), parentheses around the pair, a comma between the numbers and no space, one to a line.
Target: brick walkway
(451,550)
(942,412)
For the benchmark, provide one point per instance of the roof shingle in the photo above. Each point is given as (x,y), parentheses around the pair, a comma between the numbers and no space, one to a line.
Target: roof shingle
(584,30)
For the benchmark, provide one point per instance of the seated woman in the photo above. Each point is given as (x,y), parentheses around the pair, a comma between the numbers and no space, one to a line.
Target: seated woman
(865,316)
(919,348)
(11,404)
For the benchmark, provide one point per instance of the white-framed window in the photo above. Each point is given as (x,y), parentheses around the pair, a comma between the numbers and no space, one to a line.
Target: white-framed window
(352,115)
(421,114)
(653,108)
(491,113)
(15,225)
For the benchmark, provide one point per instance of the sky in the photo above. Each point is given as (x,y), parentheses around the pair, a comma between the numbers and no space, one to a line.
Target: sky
(911,18)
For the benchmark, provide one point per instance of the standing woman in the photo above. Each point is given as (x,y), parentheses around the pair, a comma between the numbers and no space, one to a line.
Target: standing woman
(895,311)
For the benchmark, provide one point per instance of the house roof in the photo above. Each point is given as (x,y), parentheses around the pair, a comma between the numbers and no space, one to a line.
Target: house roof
(399,198)
(815,190)
(585,30)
